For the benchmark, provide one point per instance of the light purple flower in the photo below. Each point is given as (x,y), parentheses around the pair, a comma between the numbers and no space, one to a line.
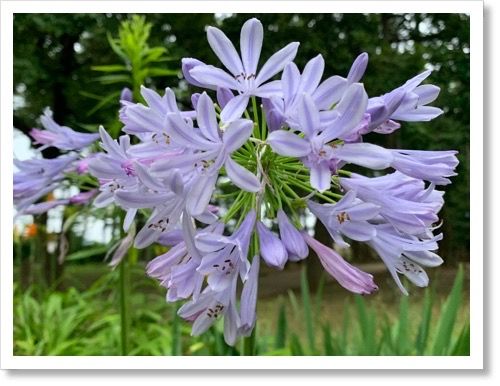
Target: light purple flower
(209,307)
(432,166)
(140,119)
(348,276)
(406,254)
(37,177)
(284,111)
(243,76)
(291,238)
(248,302)
(272,250)
(225,256)
(348,217)
(126,95)
(406,103)
(211,149)
(177,269)
(62,137)
(315,149)
(404,201)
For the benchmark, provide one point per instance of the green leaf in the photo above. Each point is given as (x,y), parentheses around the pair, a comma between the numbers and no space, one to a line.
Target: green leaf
(86,253)
(161,72)
(307,309)
(448,316)
(280,338)
(423,330)
(462,345)
(109,68)
(111,79)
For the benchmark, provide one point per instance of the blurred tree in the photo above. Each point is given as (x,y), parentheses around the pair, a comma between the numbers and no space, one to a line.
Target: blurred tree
(53,55)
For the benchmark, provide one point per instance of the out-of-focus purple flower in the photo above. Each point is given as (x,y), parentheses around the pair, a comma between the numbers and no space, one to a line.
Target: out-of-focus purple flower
(83,197)
(291,238)
(272,250)
(406,254)
(78,199)
(38,177)
(243,76)
(122,248)
(62,137)
(348,276)
(347,217)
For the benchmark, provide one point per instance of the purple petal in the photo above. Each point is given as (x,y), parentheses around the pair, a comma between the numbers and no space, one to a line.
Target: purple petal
(200,194)
(358,68)
(194,99)
(249,298)
(321,176)
(206,118)
(234,108)
(288,144)
(236,134)
(420,114)
(224,95)
(311,76)
(152,99)
(269,90)
(184,135)
(427,93)
(252,34)
(272,250)
(187,65)
(224,50)
(416,80)
(43,207)
(277,62)
(351,110)
(364,154)
(241,177)
(329,92)
(138,200)
(308,116)
(291,237)
(213,76)
(348,276)
(290,80)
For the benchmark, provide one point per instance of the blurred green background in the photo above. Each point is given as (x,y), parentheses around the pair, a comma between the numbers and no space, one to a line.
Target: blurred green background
(68,305)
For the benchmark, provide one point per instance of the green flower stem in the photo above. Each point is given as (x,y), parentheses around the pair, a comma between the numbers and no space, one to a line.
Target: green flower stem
(264,124)
(256,131)
(237,204)
(344,172)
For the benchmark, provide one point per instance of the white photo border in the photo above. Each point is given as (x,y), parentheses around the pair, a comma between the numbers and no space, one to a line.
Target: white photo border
(474,361)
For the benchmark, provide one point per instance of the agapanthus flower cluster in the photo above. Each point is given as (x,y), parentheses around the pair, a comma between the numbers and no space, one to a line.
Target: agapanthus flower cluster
(36,178)
(228,184)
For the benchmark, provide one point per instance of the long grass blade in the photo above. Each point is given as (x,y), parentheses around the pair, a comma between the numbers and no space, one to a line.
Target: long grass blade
(449,316)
